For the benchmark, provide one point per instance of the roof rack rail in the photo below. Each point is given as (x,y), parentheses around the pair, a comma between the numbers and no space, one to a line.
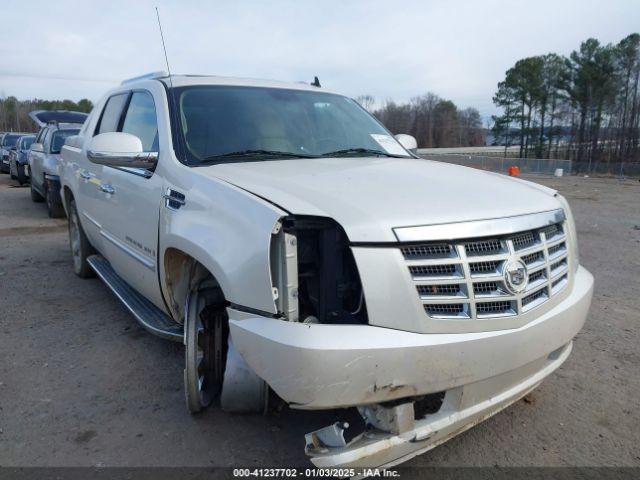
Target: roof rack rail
(146,76)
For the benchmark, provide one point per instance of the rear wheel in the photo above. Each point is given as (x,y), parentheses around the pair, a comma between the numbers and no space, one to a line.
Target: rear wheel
(81,249)
(22,178)
(205,339)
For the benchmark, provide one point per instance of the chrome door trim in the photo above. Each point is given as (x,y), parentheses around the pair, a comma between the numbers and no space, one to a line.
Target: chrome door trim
(479,228)
(141,172)
(95,222)
(124,159)
(146,261)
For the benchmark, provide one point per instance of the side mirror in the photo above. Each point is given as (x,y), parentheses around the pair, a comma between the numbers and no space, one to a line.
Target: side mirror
(120,149)
(37,147)
(408,142)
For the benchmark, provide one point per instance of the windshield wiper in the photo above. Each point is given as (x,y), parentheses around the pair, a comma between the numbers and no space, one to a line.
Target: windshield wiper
(351,151)
(256,153)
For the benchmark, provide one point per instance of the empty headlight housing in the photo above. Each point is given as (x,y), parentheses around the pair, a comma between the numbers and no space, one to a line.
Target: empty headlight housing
(314,275)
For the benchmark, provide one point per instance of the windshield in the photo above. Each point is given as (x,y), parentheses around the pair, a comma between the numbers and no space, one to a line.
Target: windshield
(231,124)
(25,143)
(58,138)
(10,140)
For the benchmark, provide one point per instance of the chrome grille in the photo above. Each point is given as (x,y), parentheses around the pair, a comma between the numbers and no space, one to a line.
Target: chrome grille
(452,290)
(533,258)
(447,310)
(484,247)
(536,276)
(555,249)
(525,240)
(464,279)
(492,309)
(534,299)
(435,271)
(553,231)
(484,268)
(437,250)
(489,289)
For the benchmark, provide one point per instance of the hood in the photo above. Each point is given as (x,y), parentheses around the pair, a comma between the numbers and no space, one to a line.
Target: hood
(371,196)
(43,117)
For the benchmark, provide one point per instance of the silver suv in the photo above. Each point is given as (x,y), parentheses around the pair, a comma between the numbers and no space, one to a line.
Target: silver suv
(299,250)
(55,127)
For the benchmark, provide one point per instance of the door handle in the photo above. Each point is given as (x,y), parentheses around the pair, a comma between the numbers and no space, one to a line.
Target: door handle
(84,174)
(106,188)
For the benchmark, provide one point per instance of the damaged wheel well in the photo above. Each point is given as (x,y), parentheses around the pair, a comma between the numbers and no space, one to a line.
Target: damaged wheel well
(182,273)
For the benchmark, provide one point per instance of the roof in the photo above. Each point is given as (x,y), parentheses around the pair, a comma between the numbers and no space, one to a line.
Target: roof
(186,80)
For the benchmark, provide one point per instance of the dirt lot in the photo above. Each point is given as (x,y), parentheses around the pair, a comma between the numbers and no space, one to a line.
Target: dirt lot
(82,385)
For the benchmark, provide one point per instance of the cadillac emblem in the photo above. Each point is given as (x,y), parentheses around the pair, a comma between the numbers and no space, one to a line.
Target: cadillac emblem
(515,275)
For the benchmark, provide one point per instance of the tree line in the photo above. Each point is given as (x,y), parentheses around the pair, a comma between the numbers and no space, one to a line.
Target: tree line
(583,107)
(14,113)
(433,121)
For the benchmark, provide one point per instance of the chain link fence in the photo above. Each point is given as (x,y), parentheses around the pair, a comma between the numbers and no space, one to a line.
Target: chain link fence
(494,164)
(607,169)
(537,165)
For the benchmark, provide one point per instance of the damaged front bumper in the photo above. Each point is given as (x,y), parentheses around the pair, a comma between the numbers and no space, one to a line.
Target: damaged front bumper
(463,408)
(316,366)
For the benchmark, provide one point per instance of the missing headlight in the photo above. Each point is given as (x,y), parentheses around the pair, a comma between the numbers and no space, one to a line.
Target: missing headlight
(314,273)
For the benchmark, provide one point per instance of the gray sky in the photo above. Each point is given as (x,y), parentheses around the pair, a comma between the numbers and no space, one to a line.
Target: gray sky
(391,50)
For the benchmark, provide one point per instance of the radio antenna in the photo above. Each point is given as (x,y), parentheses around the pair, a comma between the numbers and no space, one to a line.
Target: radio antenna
(164,48)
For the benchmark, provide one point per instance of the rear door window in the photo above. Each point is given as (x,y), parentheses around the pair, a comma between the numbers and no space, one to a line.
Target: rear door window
(112,113)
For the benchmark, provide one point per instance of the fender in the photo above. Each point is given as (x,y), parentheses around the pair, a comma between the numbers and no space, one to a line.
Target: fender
(227,230)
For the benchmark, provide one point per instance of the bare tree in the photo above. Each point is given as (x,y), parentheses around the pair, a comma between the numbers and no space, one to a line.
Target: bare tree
(434,122)
(366,101)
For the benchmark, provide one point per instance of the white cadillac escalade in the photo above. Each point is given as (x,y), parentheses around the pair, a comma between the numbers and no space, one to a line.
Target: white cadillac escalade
(303,254)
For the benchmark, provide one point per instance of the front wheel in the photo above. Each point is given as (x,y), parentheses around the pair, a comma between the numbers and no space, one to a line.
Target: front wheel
(81,249)
(205,340)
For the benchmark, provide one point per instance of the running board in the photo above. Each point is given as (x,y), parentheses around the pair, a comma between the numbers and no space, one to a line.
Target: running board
(145,312)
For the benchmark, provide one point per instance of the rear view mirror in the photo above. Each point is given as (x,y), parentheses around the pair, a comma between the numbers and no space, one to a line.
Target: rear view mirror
(37,147)
(408,142)
(120,149)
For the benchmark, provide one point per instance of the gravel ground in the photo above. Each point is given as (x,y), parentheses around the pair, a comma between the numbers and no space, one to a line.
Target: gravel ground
(82,385)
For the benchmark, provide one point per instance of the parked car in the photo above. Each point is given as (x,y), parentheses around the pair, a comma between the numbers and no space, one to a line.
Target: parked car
(55,127)
(300,250)
(18,156)
(2,134)
(9,141)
